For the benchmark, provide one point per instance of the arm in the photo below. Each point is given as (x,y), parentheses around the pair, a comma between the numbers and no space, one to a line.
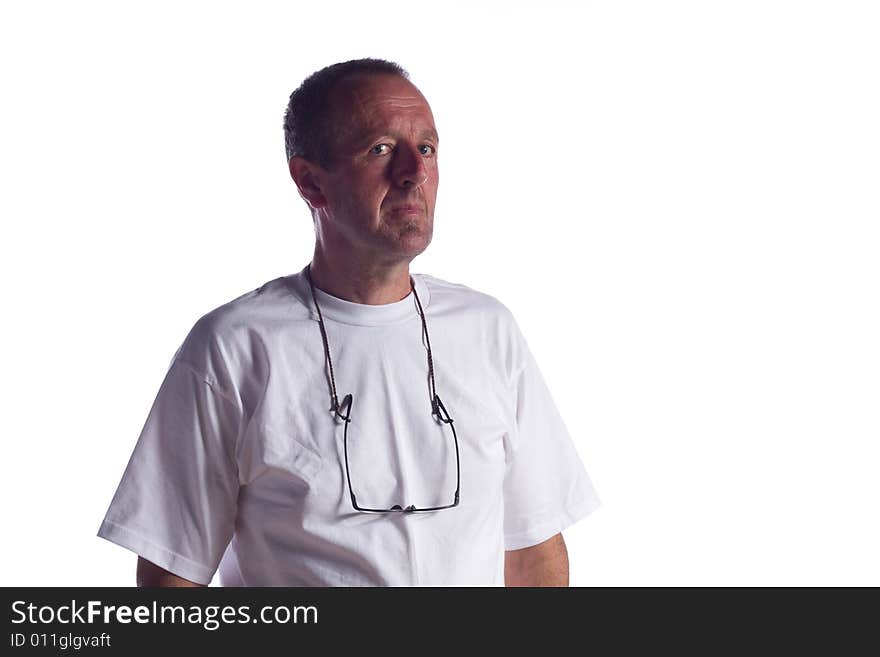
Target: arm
(544,564)
(149,574)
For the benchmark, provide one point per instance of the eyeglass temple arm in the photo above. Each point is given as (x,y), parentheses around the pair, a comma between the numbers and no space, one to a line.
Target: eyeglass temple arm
(346,403)
(437,405)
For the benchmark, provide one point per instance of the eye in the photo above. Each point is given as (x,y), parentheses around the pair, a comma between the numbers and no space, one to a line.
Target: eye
(427,149)
(380,149)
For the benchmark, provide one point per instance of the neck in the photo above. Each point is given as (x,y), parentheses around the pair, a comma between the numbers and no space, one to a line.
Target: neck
(368,283)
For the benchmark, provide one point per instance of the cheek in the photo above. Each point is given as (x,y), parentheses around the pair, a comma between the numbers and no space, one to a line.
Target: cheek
(371,189)
(433,184)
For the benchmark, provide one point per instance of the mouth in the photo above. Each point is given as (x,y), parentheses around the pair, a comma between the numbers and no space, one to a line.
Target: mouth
(407,209)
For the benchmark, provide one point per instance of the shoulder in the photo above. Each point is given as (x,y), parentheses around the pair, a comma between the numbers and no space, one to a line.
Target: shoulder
(235,333)
(457,298)
(477,317)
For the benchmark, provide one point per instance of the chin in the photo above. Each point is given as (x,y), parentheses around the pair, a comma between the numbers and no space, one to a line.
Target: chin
(409,240)
(414,247)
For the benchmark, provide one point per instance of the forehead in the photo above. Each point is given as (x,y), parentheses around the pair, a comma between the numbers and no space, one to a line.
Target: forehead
(380,103)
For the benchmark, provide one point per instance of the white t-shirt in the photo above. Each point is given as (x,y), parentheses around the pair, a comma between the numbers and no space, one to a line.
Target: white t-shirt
(241,463)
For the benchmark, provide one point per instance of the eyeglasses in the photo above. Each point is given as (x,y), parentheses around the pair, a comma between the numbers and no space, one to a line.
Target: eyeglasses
(438,410)
(440,416)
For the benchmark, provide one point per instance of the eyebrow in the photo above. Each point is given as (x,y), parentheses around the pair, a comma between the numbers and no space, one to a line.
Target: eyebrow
(425,134)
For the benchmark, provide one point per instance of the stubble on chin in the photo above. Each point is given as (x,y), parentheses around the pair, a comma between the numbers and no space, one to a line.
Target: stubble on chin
(410,235)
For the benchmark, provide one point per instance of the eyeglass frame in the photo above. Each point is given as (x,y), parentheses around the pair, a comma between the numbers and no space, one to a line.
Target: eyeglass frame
(437,406)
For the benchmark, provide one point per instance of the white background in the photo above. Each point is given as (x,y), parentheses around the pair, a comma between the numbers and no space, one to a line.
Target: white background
(678,201)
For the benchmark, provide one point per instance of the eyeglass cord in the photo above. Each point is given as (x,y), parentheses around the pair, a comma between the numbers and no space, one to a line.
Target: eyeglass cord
(433,387)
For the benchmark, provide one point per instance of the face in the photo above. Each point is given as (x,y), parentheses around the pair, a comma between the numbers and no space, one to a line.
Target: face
(377,196)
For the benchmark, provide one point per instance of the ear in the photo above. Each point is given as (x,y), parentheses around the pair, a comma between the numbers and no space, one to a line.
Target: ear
(307,176)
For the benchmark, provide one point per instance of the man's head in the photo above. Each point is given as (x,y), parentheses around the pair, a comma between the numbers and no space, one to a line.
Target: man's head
(362,149)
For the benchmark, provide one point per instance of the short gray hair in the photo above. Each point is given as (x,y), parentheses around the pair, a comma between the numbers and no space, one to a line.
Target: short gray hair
(308,129)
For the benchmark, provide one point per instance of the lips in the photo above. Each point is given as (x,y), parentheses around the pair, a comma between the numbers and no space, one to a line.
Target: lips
(407,209)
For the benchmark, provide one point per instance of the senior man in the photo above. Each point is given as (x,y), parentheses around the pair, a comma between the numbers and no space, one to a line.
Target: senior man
(354,424)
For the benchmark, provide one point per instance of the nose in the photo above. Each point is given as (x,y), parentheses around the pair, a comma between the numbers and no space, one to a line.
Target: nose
(408,169)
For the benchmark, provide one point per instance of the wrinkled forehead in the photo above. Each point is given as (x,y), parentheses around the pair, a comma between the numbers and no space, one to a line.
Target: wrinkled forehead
(363,104)
(374,92)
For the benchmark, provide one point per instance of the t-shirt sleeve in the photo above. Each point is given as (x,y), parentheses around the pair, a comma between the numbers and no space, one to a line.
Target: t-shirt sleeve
(176,503)
(546,487)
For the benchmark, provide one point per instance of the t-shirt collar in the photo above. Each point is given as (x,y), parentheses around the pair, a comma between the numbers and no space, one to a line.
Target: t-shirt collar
(359,314)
